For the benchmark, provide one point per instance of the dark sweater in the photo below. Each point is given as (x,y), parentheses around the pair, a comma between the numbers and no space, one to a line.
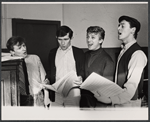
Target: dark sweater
(100,62)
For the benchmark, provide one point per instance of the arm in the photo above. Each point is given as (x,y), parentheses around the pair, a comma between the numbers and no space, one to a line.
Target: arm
(135,68)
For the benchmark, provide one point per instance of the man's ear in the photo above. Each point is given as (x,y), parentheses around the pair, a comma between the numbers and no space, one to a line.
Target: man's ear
(101,41)
(12,53)
(133,30)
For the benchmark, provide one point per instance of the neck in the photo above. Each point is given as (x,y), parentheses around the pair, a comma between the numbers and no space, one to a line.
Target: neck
(128,40)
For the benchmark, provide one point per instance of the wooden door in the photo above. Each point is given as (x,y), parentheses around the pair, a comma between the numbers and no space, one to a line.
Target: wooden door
(40,36)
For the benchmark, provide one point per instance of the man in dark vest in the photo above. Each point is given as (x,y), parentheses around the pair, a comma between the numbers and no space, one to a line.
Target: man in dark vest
(130,65)
(62,60)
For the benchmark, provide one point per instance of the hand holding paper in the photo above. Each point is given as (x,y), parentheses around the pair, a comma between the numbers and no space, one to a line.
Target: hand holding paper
(65,84)
(78,81)
(103,99)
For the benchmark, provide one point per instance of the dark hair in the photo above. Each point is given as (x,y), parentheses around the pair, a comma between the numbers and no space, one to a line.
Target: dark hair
(13,41)
(96,29)
(133,23)
(63,30)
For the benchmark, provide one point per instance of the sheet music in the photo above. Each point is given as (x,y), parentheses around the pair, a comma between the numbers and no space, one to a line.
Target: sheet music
(63,85)
(98,84)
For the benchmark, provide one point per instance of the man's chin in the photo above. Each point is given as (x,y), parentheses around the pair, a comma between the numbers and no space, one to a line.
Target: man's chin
(63,48)
(24,56)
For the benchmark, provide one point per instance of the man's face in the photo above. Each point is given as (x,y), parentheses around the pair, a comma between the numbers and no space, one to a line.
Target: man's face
(19,50)
(93,41)
(124,31)
(64,42)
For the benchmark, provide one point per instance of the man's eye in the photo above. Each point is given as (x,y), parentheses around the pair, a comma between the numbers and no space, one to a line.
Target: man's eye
(65,39)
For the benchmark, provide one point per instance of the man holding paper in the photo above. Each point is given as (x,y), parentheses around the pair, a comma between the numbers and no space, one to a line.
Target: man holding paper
(96,60)
(62,60)
(130,66)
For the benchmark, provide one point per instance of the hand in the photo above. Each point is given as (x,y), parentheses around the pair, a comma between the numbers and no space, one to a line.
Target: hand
(103,99)
(78,81)
(46,81)
(42,86)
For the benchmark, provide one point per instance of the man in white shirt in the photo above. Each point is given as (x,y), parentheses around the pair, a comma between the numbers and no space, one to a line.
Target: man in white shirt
(130,66)
(34,68)
(62,60)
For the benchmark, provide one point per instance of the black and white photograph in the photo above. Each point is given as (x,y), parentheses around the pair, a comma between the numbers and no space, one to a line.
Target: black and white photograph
(74,61)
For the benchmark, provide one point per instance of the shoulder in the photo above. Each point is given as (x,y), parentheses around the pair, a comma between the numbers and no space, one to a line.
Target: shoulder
(77,50)
(139,55)
(34,58)
(53,50)
(107,56)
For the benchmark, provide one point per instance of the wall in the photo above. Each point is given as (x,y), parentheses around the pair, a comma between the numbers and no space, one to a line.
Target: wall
(79,17)
(27,11)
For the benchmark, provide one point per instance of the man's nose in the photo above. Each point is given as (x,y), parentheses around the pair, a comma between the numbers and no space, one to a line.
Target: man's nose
(89,39)
(24,48)
(118,27)
(62,42)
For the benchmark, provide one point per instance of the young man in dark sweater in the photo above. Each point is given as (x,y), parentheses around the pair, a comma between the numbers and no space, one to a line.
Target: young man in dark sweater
(96,60)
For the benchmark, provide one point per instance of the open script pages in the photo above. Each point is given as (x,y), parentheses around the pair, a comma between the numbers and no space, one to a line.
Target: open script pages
(64,85)
(101,86)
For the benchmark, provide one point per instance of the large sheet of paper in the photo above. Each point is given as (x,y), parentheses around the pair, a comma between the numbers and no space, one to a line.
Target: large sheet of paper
(64,85)
(101,86)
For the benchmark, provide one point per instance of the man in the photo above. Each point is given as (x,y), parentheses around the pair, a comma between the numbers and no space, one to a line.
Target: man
(130,66)
(96,60)
(64,59)
(35,70)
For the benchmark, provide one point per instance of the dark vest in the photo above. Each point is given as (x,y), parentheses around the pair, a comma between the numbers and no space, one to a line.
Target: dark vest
(123,70)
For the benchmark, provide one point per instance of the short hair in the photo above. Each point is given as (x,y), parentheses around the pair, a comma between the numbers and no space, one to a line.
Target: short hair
(63,30)
(96,29)
(13,41)
(133,23)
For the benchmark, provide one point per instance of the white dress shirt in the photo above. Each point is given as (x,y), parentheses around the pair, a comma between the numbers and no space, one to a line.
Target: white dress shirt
(64,63)
(135,67)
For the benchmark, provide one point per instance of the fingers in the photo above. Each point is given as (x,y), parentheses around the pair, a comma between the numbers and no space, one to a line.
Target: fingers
(46,81)
(80,78)
(42,86)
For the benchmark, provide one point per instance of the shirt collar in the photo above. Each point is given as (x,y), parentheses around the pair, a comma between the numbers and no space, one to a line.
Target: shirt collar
(66,49)
(126,46)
